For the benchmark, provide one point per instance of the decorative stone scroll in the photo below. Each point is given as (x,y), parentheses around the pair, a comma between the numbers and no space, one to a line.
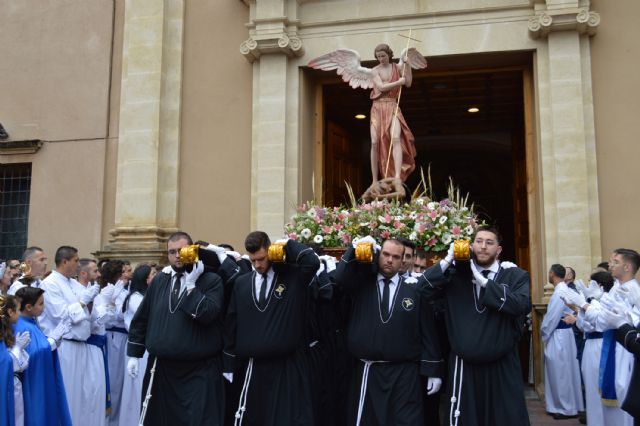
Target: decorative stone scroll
(581,20)
(284,43)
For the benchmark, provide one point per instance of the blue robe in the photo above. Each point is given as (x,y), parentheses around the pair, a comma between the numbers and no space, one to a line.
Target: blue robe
(45,400)
(7,414)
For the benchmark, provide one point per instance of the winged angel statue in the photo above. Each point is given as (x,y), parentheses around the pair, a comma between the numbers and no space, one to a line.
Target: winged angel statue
(392,143)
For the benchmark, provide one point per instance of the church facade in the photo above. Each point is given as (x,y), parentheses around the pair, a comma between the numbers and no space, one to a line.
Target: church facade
(137,118)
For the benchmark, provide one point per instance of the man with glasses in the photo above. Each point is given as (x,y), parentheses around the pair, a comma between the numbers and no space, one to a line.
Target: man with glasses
(179,322)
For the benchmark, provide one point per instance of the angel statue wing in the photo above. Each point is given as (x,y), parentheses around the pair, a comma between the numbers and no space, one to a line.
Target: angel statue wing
(347,64)
(414,59)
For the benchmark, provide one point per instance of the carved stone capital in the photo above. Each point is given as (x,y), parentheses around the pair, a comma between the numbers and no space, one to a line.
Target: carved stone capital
(283,43)
(581,20)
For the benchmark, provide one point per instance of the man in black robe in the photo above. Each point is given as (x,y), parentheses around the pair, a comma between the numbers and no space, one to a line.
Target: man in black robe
(391,332)
(265,328)
(486,303)
(179,323)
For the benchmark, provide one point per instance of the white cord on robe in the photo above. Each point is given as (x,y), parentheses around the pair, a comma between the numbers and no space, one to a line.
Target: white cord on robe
(147,398)
(242,407)
(363,387)
(454,416)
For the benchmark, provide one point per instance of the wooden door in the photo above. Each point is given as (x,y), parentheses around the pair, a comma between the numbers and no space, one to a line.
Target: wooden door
(340,165)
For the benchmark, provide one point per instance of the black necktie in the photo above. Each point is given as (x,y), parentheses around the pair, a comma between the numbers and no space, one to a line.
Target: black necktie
(385,298)
(175,293)
(263,290)
(486,273)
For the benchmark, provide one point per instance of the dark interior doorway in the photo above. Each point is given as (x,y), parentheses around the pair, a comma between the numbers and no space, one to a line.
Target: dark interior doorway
(482,152)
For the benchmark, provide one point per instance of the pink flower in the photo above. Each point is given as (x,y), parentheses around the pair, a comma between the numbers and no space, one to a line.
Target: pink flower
(346,239)
(337,227)
(456,231)
(433,214)
(398,225)
(317,220)
(432,241)
(327,229)
(386,234)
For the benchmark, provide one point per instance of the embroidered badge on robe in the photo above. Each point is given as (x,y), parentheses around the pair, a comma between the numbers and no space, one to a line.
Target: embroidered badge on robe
(279,291)
(407,304)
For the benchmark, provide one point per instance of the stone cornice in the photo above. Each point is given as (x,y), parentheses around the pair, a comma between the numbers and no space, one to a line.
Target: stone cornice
(581,20)
(20,147)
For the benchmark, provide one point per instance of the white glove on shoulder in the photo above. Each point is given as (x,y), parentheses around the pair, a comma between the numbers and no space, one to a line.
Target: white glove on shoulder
(236,256)
(89,294)
(448,259)
(364,240)
(22,340)
(508,265)
(631,292)
(480,279)
(282,241)
(228,377)
(593,291)
(433,385)
(219,251)
(330,261)
(320,269)
(132,367)
(192,277)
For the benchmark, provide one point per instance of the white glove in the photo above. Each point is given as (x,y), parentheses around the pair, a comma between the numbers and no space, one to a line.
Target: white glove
(282,241)
(446,262)
(63,327)
(507,265)
(117,290)
(219,251)
(192,277)
(433,385)
(614,318)
(320,269)
(330,261)
(367,239)
(89,294)
(228,377)
(22,340)
(132,367)
(593,291)
(234,254)
(631,292)
(480,279)
(571,297)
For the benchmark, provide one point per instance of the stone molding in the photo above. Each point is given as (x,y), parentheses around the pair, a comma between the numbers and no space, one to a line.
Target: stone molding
(581,20)
(284,43)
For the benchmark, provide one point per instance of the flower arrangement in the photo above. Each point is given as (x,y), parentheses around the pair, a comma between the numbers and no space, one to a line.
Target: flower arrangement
(432,225)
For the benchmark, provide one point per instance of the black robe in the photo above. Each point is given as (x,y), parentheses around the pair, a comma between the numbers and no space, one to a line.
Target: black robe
(483,333)
(187,343)
(271,340)
(403,347)
(629,337)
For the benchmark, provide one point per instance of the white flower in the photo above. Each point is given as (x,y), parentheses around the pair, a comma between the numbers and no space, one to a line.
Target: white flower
(420,201)
(413,236)
(443,220)
(464,209)
(469,230)
(432,205)
(398,218)
(311,212)
(446,238)
(413,215)
(364,224)
(318,239)
(306,233)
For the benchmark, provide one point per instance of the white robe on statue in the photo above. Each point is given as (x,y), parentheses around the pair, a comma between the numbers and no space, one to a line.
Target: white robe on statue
(132,387)
(624,359)
(590,368)
(562,386)
(83,377)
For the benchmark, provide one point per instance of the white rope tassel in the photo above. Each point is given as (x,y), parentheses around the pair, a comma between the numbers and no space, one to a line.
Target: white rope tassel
(147,398)
(363,389)
(242,407)
(454,415)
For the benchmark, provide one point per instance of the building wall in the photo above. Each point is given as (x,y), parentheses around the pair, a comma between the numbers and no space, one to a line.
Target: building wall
(55,66)
(615,60)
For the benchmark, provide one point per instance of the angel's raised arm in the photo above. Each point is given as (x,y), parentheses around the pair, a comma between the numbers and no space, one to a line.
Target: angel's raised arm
(346,62)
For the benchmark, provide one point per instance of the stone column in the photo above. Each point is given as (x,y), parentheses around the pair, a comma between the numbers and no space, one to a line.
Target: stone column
(571,210)
(149,134)
(273,41)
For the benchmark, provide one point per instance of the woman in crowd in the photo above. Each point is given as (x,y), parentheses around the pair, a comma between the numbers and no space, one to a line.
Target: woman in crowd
(45,400)
(132,387)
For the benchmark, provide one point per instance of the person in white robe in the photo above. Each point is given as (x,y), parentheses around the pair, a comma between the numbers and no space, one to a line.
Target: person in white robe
(132,386)
(64,295)
(562,385)
(33,265)
(623,271)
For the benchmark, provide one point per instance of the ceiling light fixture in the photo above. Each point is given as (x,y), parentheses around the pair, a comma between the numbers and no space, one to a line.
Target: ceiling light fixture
(361,116)
(473,110)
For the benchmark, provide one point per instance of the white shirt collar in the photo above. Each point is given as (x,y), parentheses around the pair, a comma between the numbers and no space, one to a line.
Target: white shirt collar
(394,280)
